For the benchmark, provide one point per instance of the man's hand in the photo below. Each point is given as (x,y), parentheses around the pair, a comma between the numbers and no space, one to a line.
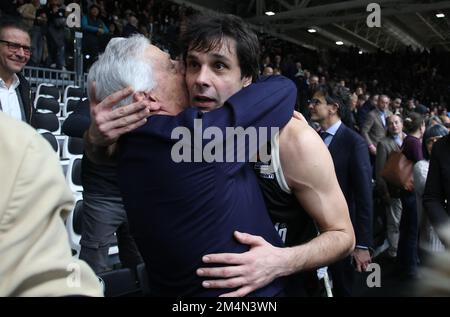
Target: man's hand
(373,149)
(246,271)
(107,125)
(362,259)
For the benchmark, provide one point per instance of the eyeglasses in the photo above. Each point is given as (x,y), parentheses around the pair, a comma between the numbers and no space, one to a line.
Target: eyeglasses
(317,102)
(314,102)
(14,47)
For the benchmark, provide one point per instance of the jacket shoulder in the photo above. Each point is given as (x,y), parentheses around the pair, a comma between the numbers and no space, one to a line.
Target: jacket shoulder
(351,135)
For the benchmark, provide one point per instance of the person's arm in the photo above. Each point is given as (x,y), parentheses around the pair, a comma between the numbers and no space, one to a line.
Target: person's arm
(34,247)
(108,124)
(361,184)
(367,126)
(433,196)
(105,29)
(380,161)
(86,27)
(315,185)
(26,12)
(267,103)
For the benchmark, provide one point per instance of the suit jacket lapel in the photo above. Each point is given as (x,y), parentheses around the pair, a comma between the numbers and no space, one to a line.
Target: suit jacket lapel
(335,144)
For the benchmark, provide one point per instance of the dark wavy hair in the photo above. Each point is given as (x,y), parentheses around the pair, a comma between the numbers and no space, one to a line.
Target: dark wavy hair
(338,96)
(204,33)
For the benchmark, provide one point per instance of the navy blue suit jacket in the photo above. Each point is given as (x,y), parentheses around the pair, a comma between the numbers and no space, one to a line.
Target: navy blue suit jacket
(353,170)
(179,212)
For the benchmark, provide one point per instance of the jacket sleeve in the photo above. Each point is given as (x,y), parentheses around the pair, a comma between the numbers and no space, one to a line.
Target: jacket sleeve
(381,159)
(86,27)
(34,246)
(367,126)
(362,186)
(433,197)
(268,103)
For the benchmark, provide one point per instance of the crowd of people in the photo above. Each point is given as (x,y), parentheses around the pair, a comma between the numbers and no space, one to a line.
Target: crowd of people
(407,74)
(291,219)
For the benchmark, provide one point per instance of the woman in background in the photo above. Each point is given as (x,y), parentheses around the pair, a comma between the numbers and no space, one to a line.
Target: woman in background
(409,224)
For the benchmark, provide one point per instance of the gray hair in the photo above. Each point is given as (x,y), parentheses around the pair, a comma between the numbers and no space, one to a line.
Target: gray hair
(122,65)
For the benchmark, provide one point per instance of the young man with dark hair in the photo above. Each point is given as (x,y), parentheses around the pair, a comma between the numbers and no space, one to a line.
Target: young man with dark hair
(197,195)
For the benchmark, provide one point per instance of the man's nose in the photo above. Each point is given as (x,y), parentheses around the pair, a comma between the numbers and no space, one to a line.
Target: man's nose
(21,52)
(203,77)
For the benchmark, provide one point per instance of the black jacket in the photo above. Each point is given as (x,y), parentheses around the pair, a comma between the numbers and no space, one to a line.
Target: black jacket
(24,93)
(436,196)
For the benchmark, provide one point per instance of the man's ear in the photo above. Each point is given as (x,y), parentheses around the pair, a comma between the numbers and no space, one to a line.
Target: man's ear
(149,100)
(247,81)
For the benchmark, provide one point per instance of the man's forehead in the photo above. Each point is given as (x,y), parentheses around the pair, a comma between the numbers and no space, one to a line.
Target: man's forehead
(13,33)
(319,95)
(225,47)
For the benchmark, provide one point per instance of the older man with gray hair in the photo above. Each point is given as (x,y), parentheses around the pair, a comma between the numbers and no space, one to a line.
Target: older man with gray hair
(155,187)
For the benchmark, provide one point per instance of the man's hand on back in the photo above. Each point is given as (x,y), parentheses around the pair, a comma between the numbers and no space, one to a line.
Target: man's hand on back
(246,271)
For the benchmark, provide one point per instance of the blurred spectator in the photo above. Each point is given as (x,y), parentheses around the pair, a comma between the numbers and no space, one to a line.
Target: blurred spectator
(131,27)
(56,16)
(95,35)
(407,252)
(266,63)
(432,120)
(390,195)
(36,19)
(374,127)
(396,106)
(114,30)
(268,71)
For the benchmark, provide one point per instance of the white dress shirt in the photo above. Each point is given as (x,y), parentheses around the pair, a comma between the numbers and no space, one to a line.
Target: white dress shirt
(9,101)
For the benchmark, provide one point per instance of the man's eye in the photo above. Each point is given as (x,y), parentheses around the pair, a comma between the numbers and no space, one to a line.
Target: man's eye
(220,66)
(192,64)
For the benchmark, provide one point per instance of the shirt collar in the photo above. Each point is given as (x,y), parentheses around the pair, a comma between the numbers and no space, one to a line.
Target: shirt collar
(15,83)
(333,129)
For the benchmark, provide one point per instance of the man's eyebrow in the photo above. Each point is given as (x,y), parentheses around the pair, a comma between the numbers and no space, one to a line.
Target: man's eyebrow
(214,55)
(221,57)
(191,56)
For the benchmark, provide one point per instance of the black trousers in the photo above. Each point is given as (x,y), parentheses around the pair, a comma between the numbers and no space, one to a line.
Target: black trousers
(343,275)
(102,217)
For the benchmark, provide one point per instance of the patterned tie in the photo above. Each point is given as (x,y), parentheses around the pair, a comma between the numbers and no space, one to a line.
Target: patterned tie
(324,134)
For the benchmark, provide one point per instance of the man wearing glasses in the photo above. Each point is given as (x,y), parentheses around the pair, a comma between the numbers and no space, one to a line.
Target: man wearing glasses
(15,51)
